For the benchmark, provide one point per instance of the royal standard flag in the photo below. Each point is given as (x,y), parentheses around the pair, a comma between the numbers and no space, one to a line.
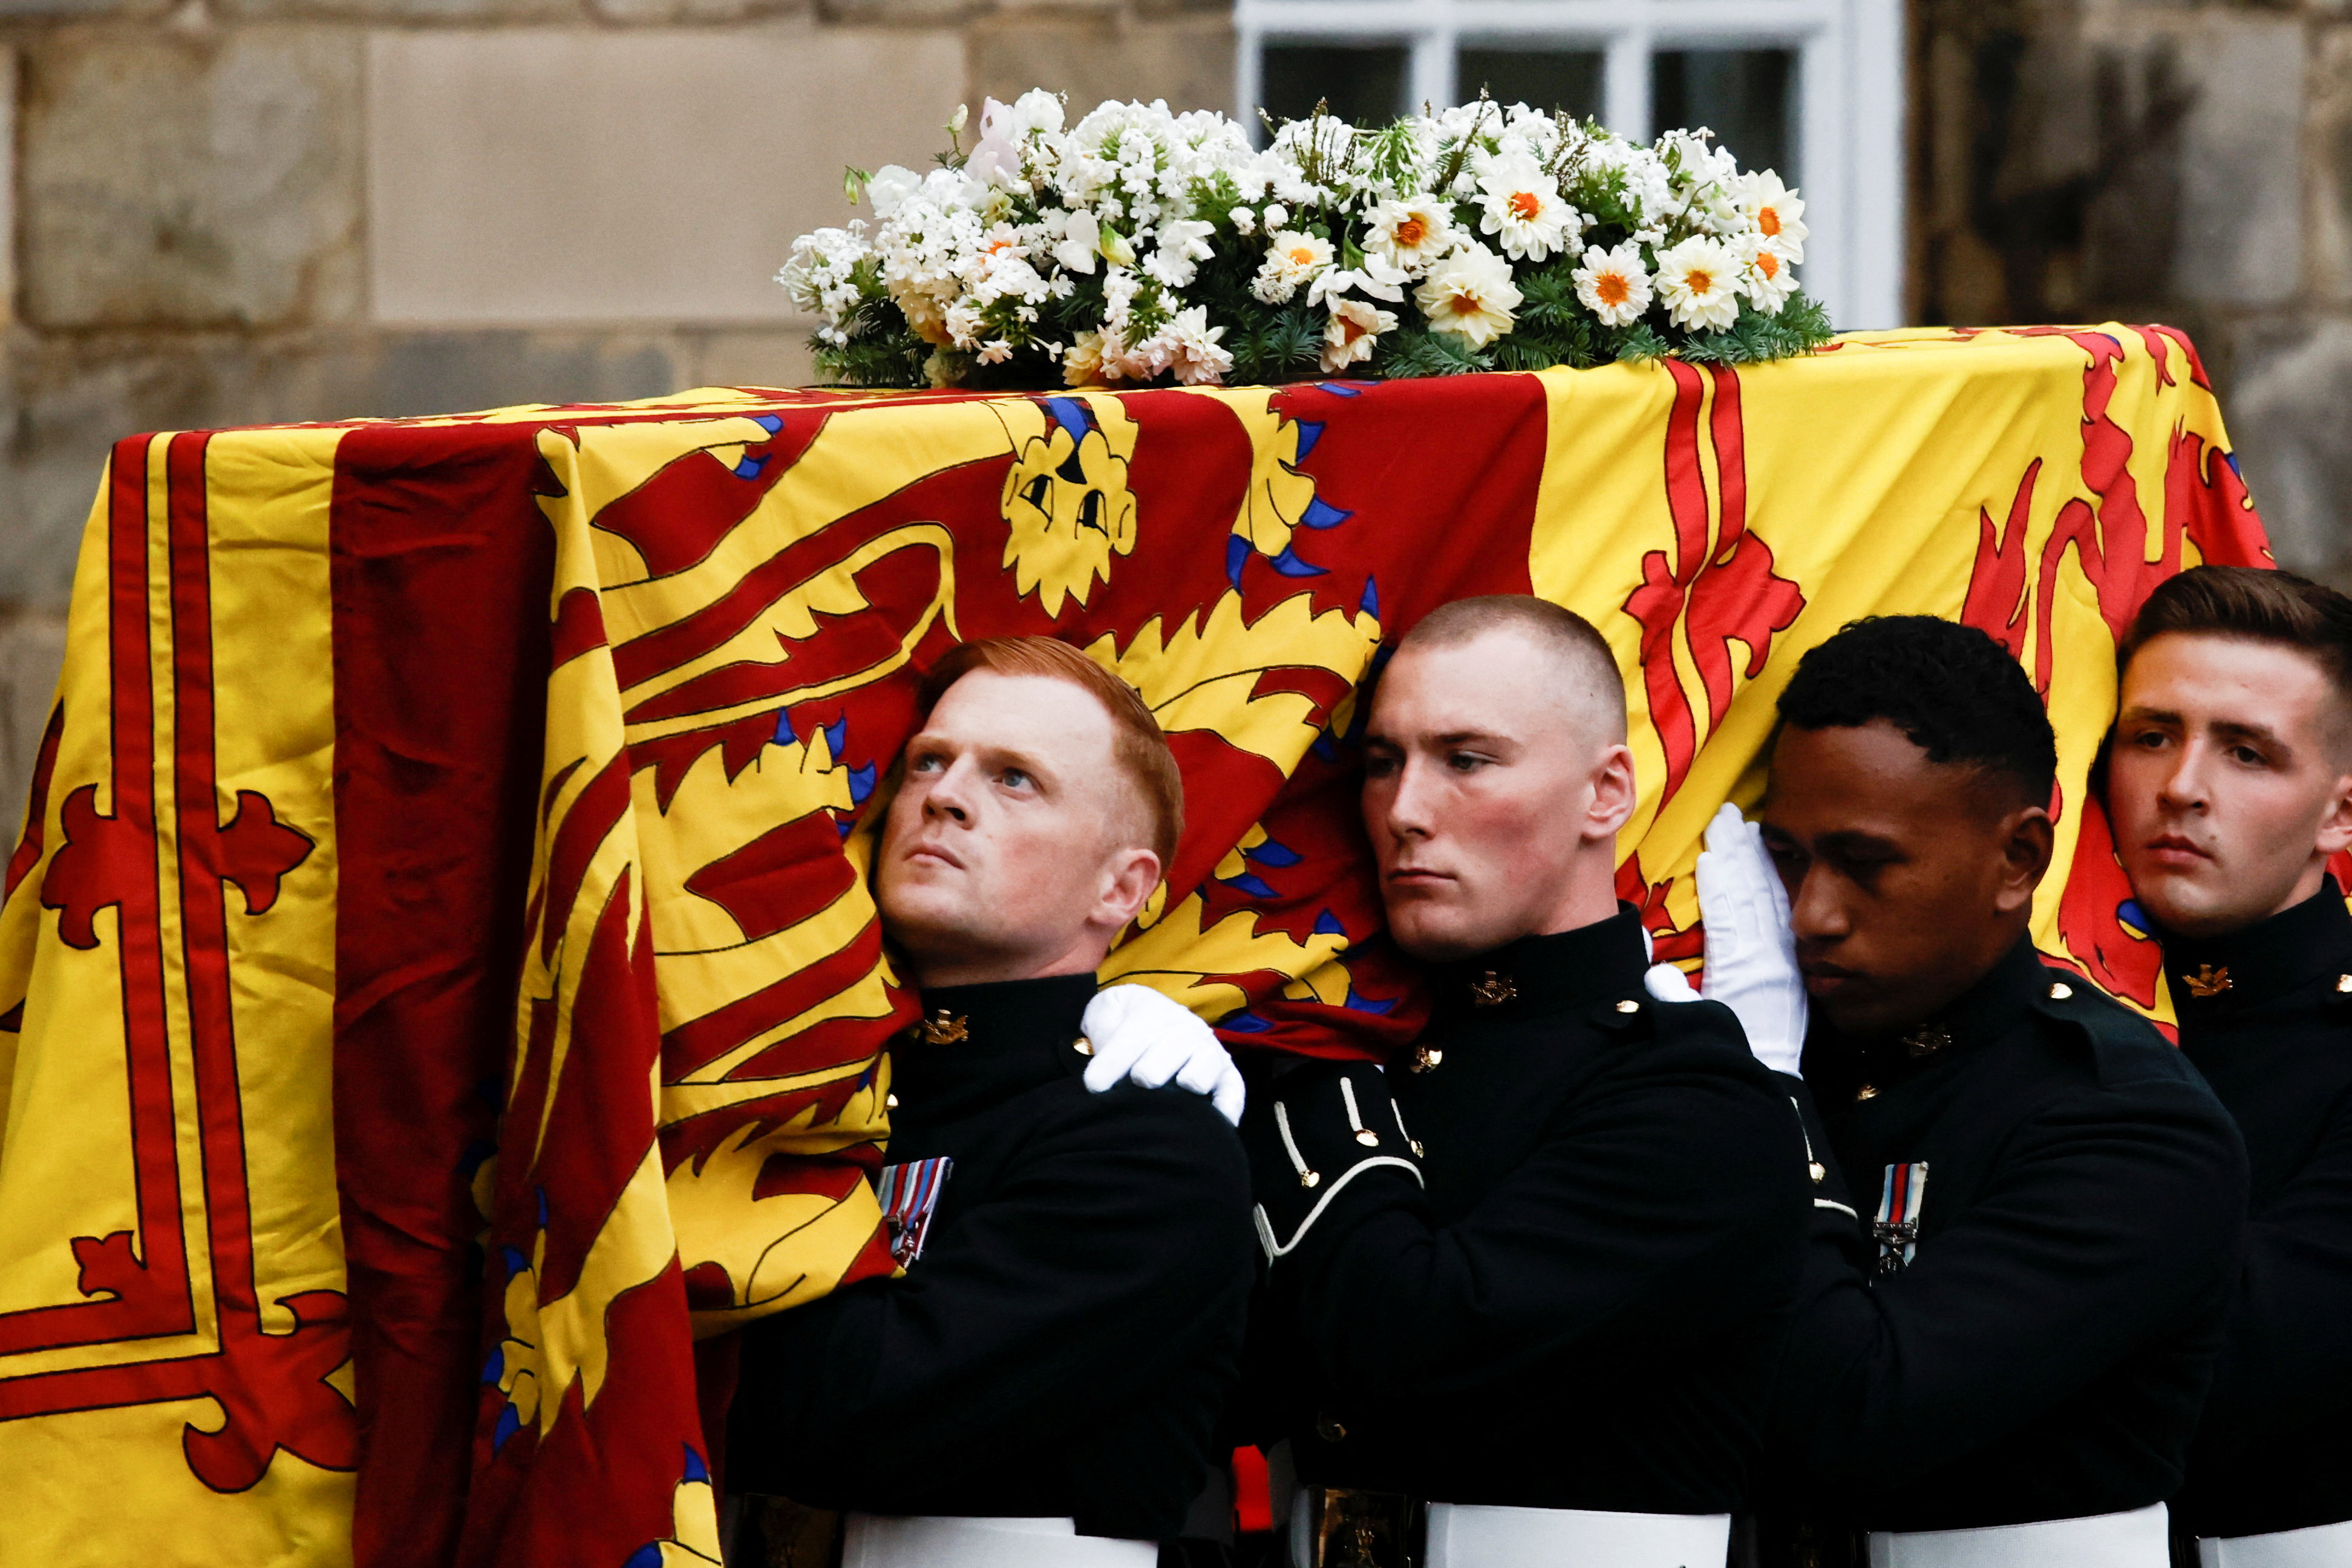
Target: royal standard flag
(439,994)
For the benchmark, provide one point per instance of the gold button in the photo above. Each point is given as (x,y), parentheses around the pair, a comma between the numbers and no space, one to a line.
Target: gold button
(891,1100)
(1083,1046)
(2060,991)
(1309,1178)
(1368,1139)
(1867,1091)
(1426,1060)
(1629,1006)
(1818,1172)
(2344,982)
(1418,1152)
(1329,1430)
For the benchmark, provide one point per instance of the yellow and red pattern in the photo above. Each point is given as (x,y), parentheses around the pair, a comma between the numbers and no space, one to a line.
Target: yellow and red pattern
(438,989)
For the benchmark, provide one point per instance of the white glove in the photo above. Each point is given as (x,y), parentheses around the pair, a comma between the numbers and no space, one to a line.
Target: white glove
(1138,1034)
(1751,952)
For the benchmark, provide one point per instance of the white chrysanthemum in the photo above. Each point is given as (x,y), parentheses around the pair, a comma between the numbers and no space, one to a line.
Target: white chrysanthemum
(1613,284)
(1375,277)
(1352,332)
(1471,293)
(1699,281)
(1410,232)
(1776,213)
(1767,279)
(1521,206)
(1190,348)
(1183,244)
(1292,259)
(889,187)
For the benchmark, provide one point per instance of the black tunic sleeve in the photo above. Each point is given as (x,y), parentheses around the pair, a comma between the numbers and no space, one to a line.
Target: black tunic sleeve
(2115,1212)
(1117,1247)
(2288,1364)
(1669,1183)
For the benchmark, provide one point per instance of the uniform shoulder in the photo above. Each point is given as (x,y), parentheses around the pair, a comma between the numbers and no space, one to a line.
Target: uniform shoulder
(1168,1123)
(2125,1048)
(1680,1037)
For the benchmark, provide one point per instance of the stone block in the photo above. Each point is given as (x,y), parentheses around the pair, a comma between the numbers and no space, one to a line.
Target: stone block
(649,12)
(1186,59)
(2330,192)
(2240,234)
(190,181)
(69,399)
(2286,413)
(32,651)
(747,357)
(407,11)
(533,175)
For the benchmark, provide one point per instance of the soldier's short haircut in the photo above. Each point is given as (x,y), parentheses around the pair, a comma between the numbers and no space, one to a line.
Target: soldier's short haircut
(1582,653)
(2247,603)
(1954,691)
(1137,743)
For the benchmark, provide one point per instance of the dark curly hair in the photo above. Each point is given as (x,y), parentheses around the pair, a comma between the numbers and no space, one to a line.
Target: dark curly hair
(1952,689)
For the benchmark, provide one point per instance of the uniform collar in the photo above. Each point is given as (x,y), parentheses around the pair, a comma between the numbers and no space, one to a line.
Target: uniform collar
(1538,976)
(976,1044)
(1996,1004)
(2217,976)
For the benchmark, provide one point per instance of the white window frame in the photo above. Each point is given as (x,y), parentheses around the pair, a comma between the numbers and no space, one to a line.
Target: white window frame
(1848,127)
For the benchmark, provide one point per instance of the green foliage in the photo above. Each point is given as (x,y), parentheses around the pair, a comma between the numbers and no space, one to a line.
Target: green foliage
(1802,326)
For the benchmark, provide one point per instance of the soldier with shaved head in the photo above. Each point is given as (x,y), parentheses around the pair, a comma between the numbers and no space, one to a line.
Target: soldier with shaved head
(1538,1272)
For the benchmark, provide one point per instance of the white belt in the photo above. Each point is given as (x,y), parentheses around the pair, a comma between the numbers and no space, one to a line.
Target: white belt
(2320,1546)
(2133,1539)
(1475,1536)
(874,1540)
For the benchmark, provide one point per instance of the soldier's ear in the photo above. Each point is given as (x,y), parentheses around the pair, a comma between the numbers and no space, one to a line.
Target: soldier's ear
(2028,842)
(2335,827)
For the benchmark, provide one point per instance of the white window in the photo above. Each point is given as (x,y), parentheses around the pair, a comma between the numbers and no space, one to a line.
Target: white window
(1812,87)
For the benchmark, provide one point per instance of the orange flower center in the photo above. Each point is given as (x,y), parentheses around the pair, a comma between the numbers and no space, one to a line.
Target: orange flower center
(1700,281)
(1525,204)
(1466,303)
(1411,232)
(1769,221)
(1613,288)
(1350,329)
(1302,256)
(1768,264)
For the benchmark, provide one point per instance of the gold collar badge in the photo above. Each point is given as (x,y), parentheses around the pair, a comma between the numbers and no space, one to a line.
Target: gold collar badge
(944,1028)
(2207,981)
(1493,991)
(1924,1041)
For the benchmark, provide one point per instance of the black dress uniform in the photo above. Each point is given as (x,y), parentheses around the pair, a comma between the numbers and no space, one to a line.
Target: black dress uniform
(2266,1015)
(1067,1338)
(2030,1332)
(1573,1299)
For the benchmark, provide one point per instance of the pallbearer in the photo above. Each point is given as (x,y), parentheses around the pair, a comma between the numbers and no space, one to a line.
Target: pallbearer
(2229,785)
(1539,1271)
(2008,1326)
(1039,1389)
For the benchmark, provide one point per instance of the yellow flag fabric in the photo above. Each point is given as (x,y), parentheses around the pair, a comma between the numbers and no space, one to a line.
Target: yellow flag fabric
(439,994)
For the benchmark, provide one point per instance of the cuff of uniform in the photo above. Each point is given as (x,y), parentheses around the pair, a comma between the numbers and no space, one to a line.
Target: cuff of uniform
(1330,1134)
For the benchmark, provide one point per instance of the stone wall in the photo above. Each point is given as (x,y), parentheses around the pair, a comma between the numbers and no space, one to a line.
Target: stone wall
(2082,160)
(227,212)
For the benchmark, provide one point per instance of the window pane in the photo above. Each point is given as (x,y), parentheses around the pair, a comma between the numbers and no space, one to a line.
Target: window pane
(1539,77)
(1742,95)
(1363,82)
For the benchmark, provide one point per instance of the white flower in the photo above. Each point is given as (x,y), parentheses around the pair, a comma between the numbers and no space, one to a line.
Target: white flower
(1470,292)
(1183,244)
(1192,350)
(997,157)
(1244,222)
(1522,207)
(1411,233)
(996,351)
(1352,331)
(1375,277)
(1080,234)
(1613,284)
(890,188)
(1775,214)
(1698,280)
(1276,215)
(1767,279)
(1291,260)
